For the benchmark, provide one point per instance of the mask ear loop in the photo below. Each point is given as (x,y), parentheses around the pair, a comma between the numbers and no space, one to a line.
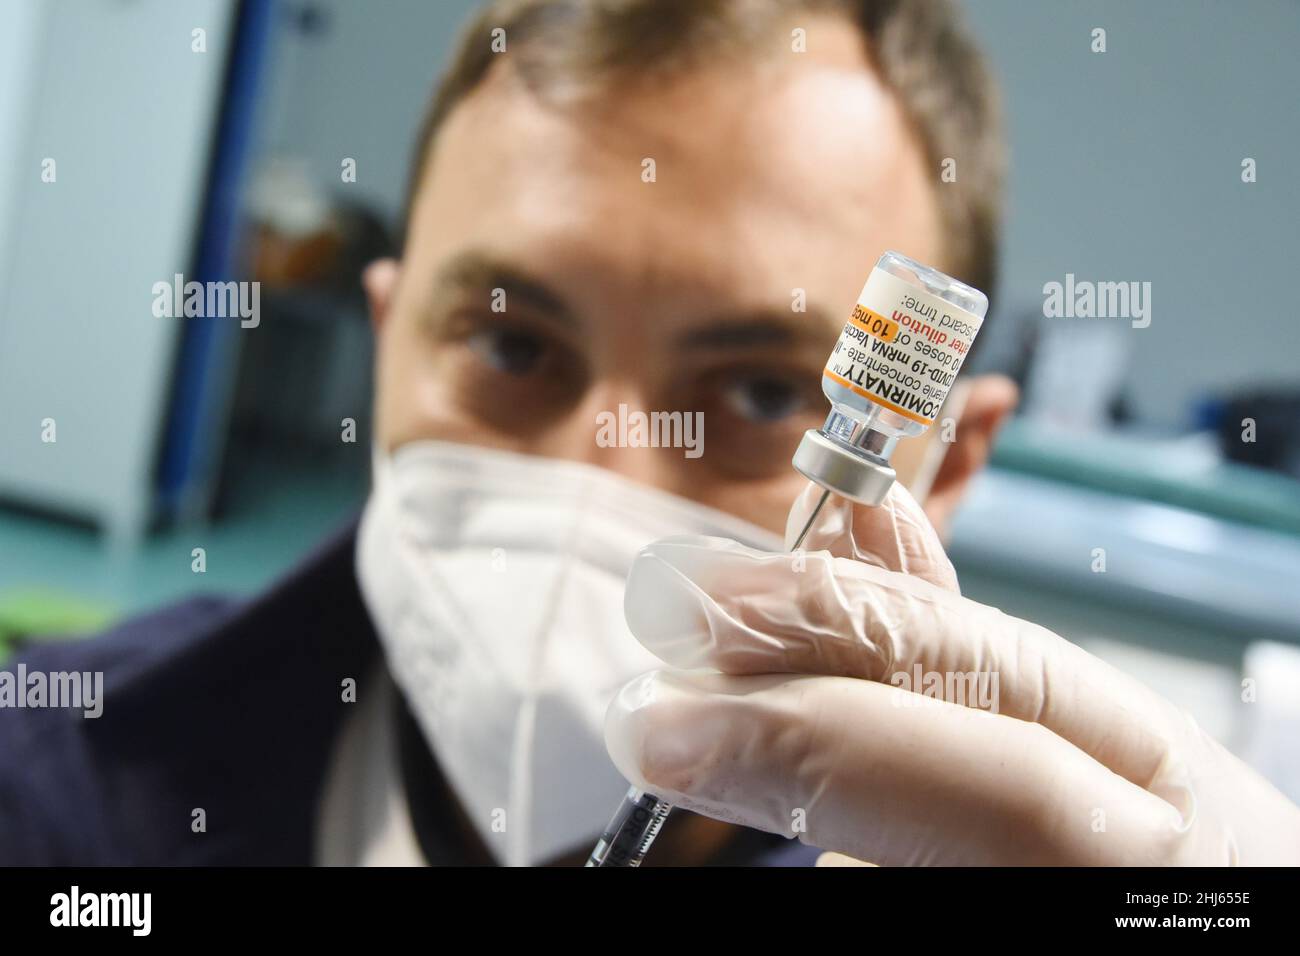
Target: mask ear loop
(381,466)
(522,754)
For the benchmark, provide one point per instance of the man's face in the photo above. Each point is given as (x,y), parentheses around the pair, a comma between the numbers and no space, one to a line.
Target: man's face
(775,182)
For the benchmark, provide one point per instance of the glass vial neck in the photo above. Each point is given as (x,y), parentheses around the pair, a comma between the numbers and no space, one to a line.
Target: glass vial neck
(860,436)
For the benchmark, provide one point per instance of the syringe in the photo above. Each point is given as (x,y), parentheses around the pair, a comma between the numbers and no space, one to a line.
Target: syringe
(887,377)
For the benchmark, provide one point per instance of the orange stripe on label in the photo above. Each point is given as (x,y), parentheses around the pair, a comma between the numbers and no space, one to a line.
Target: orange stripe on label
(873,323)
(876,398)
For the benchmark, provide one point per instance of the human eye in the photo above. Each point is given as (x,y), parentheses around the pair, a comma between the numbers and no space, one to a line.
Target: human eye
(510,351)
(763,397)
(510,373)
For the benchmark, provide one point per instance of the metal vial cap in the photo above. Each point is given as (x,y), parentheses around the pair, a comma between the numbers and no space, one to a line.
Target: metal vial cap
(839,469)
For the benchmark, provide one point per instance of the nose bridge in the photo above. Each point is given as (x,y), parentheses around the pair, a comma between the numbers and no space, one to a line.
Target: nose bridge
(601,431)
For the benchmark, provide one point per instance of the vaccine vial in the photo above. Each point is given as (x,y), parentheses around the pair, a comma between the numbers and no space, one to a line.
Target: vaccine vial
(889,373)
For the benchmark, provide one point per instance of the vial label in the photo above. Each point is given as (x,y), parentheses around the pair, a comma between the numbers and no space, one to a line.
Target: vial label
(902,347)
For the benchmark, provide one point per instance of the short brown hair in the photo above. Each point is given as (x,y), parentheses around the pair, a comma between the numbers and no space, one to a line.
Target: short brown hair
(921,48)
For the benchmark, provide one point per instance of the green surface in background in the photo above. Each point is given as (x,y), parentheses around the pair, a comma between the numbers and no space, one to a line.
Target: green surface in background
(61,579)
(49,614)
(1150,470)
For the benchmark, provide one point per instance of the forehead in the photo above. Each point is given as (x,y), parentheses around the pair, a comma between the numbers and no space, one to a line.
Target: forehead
(780,171)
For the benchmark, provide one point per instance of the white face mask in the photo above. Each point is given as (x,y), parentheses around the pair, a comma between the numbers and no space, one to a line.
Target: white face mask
(495,581)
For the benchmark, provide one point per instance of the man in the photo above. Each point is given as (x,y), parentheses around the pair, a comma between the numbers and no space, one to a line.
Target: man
(654,205)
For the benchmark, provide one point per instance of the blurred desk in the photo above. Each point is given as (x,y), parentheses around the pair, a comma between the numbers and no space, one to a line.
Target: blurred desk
(1160,559)
(1186,471)
(1182,596)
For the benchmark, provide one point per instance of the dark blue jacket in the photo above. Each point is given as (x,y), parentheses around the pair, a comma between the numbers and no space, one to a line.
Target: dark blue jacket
(229,706)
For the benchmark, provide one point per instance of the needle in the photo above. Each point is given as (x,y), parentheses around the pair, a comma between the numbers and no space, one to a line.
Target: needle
(811,518)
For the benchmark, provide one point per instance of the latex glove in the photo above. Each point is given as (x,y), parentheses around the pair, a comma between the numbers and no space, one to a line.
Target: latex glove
(801,727)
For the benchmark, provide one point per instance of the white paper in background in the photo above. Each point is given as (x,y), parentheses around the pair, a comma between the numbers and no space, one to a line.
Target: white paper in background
(1078,369)
(1271,725)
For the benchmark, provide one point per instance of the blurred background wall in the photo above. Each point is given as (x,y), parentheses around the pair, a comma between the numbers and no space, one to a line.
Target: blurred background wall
(1126,165)
(338,64)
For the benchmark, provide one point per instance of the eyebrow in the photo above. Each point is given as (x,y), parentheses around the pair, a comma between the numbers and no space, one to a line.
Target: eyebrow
(476,271)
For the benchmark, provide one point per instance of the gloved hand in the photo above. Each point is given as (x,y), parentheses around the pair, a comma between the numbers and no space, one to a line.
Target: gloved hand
(813,719)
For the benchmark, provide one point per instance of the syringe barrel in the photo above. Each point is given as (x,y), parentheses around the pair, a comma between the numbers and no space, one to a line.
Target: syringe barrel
(633,828)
